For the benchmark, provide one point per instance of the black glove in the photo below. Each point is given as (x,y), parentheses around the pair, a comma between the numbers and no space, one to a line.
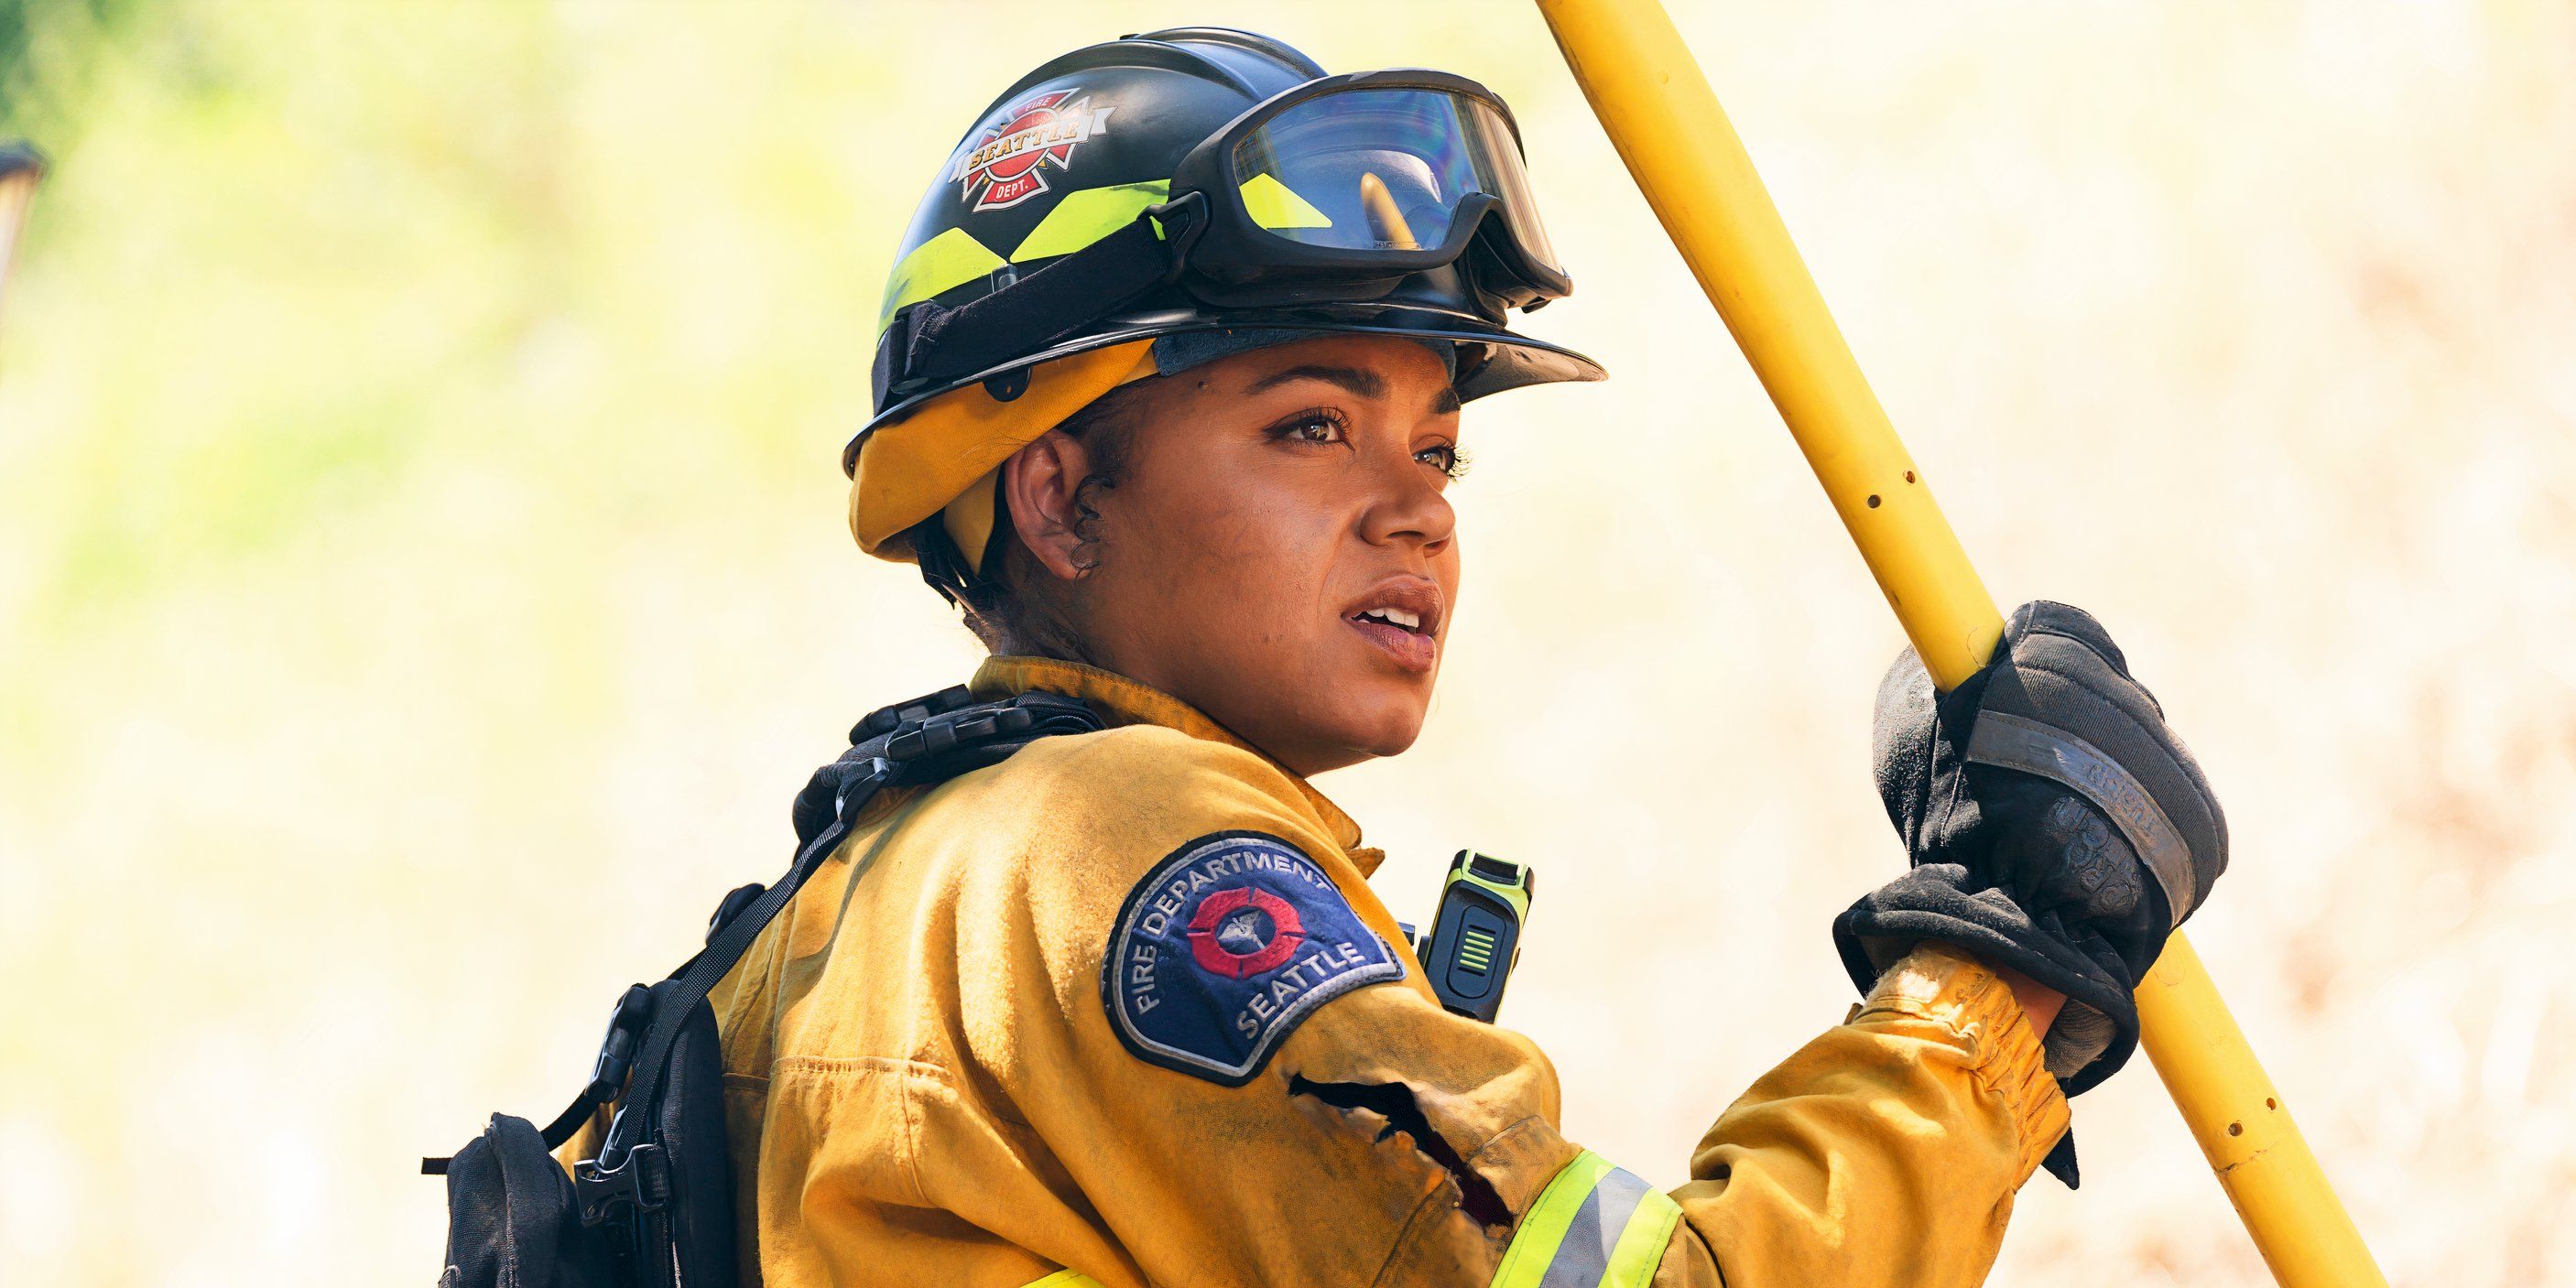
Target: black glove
(2055,825)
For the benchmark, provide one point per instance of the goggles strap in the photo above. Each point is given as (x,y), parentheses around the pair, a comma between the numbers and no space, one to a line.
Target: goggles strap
(927,344)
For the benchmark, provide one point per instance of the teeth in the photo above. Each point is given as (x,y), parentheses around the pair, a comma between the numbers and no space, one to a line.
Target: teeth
(1393,617)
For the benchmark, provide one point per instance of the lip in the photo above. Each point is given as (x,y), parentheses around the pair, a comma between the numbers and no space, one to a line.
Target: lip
(1416,651)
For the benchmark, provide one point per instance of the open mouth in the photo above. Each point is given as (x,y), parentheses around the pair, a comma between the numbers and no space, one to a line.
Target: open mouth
(1395,617)
(1401,617)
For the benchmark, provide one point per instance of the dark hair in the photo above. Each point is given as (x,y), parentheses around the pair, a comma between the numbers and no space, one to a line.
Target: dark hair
(1013,604)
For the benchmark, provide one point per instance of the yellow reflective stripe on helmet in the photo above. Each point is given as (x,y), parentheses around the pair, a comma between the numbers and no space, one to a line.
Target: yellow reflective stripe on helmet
(1087,216)
(1273,204)
(1066,1279)
(952,258)
(1594,1226)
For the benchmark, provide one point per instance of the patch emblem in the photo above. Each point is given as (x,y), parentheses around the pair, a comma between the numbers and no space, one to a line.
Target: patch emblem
(1225,948)
(1009,162)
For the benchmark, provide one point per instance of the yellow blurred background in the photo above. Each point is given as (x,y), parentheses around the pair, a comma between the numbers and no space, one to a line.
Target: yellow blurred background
(422,580)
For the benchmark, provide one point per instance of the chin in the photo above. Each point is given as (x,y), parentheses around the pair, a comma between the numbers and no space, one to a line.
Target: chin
(1375,730)
(1395,742)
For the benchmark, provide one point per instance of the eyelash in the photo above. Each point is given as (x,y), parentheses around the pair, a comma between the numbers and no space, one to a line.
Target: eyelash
(1455,467)
(1312,416)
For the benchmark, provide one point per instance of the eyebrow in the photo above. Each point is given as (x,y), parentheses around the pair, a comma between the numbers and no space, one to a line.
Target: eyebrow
(1359,381)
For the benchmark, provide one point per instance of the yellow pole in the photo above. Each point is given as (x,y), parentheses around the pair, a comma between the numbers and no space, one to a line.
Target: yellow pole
(1660,113)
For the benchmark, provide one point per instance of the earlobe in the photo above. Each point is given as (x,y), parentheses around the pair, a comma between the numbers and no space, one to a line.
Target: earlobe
(1040,484)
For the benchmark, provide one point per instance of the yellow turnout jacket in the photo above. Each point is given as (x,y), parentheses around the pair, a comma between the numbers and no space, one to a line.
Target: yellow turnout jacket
(1123,1010)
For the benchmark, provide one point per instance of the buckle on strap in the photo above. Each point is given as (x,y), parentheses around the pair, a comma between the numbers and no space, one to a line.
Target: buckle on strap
(617,1050)
(1178,223)
(895,365)
(640,1182)
(950,730)
(885,720)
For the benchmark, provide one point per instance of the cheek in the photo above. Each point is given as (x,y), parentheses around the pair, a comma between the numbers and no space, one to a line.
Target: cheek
(1224,556)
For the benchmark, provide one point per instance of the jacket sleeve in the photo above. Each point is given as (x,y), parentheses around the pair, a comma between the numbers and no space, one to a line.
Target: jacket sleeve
(1378,1139)
(1886,1151)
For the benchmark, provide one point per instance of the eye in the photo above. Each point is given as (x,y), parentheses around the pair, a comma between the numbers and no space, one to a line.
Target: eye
(1448,458)
(1313,425)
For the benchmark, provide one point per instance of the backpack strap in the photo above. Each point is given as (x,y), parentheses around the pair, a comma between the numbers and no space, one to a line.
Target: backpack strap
(918,743)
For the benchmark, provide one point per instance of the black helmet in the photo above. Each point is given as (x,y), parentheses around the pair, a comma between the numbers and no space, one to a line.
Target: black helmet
(1185,181)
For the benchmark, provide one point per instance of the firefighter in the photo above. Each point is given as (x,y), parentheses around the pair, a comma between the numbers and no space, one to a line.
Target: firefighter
(1169,393)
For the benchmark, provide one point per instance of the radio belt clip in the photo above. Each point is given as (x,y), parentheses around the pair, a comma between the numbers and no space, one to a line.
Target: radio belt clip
(1475,936)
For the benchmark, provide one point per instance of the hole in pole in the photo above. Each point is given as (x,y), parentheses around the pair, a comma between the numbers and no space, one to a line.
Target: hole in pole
(2270,1103)
(1909,476)
(1873,500)
(2235,1129)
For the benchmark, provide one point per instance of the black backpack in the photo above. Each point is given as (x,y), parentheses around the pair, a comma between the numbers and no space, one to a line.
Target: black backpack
(655,1207)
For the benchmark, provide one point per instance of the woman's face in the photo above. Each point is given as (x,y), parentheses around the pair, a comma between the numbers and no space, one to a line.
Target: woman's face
(1280,553)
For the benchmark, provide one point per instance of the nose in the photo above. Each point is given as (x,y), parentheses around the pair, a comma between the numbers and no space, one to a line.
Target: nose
(1408,507)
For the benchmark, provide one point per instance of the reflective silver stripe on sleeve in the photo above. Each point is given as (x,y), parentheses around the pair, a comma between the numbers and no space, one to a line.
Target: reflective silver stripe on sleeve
(2009,741)
(1583,1260)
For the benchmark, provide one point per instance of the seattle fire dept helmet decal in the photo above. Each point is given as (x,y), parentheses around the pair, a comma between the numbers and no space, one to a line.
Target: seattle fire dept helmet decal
(1007,163)
(1225,947)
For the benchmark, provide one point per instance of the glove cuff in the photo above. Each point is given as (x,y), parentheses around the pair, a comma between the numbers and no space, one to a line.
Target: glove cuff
(2092,1037)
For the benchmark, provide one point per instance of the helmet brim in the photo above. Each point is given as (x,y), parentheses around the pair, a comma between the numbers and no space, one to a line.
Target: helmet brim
(1509,360)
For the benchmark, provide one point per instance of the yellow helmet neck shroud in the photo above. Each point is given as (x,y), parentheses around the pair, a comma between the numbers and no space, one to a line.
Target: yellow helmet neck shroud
(945,459)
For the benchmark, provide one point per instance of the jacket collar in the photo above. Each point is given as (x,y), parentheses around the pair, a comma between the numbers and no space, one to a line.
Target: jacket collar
(1122,701)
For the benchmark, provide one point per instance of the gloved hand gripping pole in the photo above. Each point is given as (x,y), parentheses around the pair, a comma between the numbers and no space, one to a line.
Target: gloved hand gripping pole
(1665,121)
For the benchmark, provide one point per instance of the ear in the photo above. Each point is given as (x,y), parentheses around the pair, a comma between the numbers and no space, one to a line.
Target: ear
(1039,484)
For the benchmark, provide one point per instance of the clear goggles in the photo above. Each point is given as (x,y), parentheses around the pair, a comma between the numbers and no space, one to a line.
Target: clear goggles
(1365,176)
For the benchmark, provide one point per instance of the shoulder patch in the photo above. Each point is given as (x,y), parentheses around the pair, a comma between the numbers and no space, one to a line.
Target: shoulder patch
(1225,947)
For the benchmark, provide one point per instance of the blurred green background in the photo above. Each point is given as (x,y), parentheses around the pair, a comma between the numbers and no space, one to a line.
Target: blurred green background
(422,580)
